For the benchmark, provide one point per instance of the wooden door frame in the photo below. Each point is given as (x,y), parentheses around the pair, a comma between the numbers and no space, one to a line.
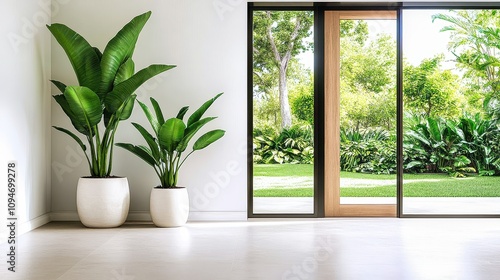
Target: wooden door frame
(333,208)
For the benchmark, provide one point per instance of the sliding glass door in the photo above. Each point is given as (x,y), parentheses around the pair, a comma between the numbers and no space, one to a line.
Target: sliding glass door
(402,116)
(451,96)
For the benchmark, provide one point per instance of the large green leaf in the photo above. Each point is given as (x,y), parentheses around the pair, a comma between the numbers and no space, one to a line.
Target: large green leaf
(138,151)
(85,105)
(125,71)
(208,138)
(119,49)
(196,116)
(155,152)
(59,85)
(158,112)
(171,133)
(126,111)
(434,130)
(61,100)
(151,118)
(81,54)
(123,90)
(182,112)
(191,131)
(106,116)
(418,136)
(72,135)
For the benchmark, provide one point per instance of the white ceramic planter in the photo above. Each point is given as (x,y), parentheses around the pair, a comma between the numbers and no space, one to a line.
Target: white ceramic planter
(169,207)
(102,202)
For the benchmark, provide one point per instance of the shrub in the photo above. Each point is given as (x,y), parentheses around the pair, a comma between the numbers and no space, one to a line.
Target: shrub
(437,145)
(369,150)
(293,145)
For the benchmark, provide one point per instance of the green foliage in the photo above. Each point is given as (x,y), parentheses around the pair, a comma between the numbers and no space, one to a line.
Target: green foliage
(439,145)
(368,81)
(429,90)
(369,151)
(303,108)
(370,67)
(355,29)
(105,90)
(353,135)
(481,141)
(171,138)
(266,111)
(293,145)
(474,42)
(281,24)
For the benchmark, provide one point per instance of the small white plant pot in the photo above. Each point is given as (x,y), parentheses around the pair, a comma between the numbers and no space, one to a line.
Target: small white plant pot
(103,202)
(169,207)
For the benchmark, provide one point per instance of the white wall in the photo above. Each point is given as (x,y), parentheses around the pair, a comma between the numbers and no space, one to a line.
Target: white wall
(207,42)
(25,109)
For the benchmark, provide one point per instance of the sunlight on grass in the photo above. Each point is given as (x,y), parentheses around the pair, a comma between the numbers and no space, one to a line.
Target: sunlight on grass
(416,185)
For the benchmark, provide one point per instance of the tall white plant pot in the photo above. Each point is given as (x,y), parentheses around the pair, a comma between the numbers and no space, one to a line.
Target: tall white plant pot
(103,202)
(169,207)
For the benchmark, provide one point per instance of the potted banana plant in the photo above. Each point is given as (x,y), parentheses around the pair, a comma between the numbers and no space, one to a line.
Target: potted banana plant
(166,153)
(102,99)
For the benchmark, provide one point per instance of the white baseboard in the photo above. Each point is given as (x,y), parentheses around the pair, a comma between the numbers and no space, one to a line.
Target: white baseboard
(24,227)
(144,216)
(139,216)
(34,223)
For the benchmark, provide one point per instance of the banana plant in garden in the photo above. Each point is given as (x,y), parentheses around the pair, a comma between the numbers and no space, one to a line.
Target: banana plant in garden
(444,142)
(481,138)
(171,138)
(105,91)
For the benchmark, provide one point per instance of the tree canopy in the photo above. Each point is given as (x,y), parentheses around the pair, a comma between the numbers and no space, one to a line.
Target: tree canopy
(430,91)
(475,42)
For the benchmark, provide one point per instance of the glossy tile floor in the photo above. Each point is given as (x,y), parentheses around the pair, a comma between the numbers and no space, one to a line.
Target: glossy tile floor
(360,248)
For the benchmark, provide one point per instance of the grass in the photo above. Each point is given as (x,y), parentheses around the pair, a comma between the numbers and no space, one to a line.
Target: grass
(429,185)
(283,170)
(295,192)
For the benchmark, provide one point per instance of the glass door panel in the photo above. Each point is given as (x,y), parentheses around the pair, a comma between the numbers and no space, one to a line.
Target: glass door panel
(283,112)
(451,136)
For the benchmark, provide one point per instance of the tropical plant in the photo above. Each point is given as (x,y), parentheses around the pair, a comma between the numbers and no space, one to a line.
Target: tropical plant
(105,90)
(474,42)
(355,135)
(481,140)
(443,142)
(165,149)
(293,145)
(368,150)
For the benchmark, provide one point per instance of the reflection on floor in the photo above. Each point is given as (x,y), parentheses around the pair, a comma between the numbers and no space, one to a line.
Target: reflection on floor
(411,205)
(322,249)
(291,205)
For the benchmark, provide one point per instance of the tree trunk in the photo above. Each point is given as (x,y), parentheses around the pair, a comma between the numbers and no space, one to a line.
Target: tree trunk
(286,115)
(282,62)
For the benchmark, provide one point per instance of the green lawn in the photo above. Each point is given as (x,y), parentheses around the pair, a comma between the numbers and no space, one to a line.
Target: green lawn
(283,170)
(428,185)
